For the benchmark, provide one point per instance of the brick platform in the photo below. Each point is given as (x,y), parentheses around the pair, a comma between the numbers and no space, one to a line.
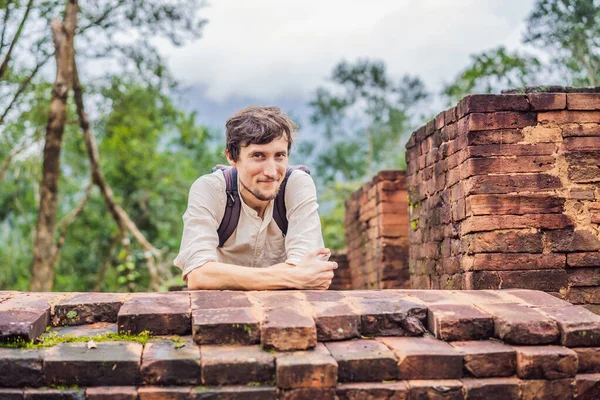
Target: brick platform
(505,193)
(388,344)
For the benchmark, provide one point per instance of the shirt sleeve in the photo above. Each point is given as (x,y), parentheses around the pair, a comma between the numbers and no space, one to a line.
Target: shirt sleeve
(201,220)
(304,226)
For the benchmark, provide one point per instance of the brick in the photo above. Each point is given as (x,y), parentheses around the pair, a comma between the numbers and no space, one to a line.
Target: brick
(501,120)
(162,393)
(451,322)
(567,240)
(589,359)
(373,391)
(583,101)
(11,394)
(275,299)
(517,261)
(288,329)
(545,362)
(53,394)
(486,166)
(306,369)
(491,389)
(110,364)
(581,130)
(583,166)
(87,308)
(487,358)
(399,317)
(534,298)
(308,393)
(495,150)
(23,325)
(534,389)
(316,296)
(549,280)
(213,299)
(335,321)
(237,393)
(568,117)
(587,387)
(494,204)
(225,326)
(425,358)
(491,103)
(498,222)
(111,393)
(502,184)
(21,368)
(504,241)
(578,194)
(500,136)
(161,314)
(583,295)
(591,259)
(578,326)
(236,365)
(476,297)
(547,101)
(591,143)
(363,360)
(518,324)
(95,329)
(584,276)
(165,363)
(439,389)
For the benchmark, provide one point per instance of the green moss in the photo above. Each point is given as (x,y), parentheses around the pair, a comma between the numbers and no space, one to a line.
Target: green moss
(72,314)
(254,384)
(52,339)
(414,224)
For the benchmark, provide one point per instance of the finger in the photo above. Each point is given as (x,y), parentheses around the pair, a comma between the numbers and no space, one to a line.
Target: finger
(312,253)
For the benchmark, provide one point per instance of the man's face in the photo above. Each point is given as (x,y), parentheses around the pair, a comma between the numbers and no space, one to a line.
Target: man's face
(261,169)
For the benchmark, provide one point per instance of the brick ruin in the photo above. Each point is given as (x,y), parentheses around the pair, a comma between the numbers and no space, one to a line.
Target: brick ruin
(503,192)
(388,344)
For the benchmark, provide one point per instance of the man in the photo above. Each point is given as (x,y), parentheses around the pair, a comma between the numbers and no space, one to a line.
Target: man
(257,256)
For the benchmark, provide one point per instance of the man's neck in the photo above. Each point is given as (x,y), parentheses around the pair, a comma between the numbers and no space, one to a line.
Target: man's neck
(251,201)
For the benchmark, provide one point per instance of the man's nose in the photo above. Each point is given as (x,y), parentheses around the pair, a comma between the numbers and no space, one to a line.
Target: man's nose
(270,169)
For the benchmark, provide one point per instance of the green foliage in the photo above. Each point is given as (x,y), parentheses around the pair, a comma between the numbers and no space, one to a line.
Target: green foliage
(52,338)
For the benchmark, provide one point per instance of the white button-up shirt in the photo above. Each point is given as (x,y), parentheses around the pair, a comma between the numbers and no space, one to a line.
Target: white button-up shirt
(256,242)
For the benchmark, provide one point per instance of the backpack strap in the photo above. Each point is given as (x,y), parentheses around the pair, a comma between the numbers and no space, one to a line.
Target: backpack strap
(279,208)
(233,207)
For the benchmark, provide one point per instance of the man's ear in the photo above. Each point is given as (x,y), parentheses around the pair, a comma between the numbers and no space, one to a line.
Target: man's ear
(229,159)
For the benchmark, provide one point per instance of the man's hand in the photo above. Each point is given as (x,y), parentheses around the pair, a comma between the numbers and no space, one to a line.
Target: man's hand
(314,271)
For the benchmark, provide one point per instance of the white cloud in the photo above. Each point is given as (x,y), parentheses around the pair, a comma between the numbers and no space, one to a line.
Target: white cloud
(268,49)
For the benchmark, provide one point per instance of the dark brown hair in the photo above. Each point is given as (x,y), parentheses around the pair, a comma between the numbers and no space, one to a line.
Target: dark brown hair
(257,125)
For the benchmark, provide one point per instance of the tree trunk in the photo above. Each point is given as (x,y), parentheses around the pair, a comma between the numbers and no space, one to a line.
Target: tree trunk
(45,248)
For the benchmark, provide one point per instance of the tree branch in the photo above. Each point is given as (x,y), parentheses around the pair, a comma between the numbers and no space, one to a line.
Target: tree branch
(119,215)
(4,65)
(7,160)
(5,24)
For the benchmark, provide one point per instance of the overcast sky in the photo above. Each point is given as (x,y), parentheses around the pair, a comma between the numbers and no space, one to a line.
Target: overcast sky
(269,49)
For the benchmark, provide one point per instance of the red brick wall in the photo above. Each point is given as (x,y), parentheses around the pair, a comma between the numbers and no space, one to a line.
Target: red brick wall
(342,280)
(376,223)
(505,192)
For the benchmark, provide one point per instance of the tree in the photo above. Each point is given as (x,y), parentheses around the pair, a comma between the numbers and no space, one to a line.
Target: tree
(364,114)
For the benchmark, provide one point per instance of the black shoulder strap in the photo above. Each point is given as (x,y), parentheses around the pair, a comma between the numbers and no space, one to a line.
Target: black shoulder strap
(279,209)
(233,207)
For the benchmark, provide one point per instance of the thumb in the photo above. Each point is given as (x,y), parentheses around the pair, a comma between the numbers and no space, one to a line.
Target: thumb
(313,253)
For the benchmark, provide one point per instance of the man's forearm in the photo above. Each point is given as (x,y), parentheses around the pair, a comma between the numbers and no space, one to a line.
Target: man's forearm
(220,276)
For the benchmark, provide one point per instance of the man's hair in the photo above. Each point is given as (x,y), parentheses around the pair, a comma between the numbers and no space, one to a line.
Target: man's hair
(257,125)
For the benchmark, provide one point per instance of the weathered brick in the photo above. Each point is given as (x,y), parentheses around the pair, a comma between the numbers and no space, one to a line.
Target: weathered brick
(373,391)
(236,365)
(275,299)
(589,359)
(583,101)
(489,103)
(501,136)
(486,166)
(288,329)
(512,241)
(111,393)
(170,393)
(583,166)
(307,393)
(495,150)
(87,308)
(11,394)
(568,240)
(167,363)
(581,130)
(583,295)
(335,321)
(239,393)
(496,222)
(535,298)
(547,101)
(517,261)
(536,389)
(587,387)
(22,324)
(21,368)
(568,117)
(578,326)
(398,317)
(439,389)
(363,361)
(590,143)
(425,358)
(549,280)
(306,369)
(225,326)
(110,364)
(584,276)
(459,322)
(53,394)
(501,120)
(501,184)
(546,362)
(518,324)
(491,389)
(159,313)
(212,299)
(494,204)
(487,358)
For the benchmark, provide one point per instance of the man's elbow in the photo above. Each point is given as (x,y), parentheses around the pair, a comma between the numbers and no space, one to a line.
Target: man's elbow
(195,280)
